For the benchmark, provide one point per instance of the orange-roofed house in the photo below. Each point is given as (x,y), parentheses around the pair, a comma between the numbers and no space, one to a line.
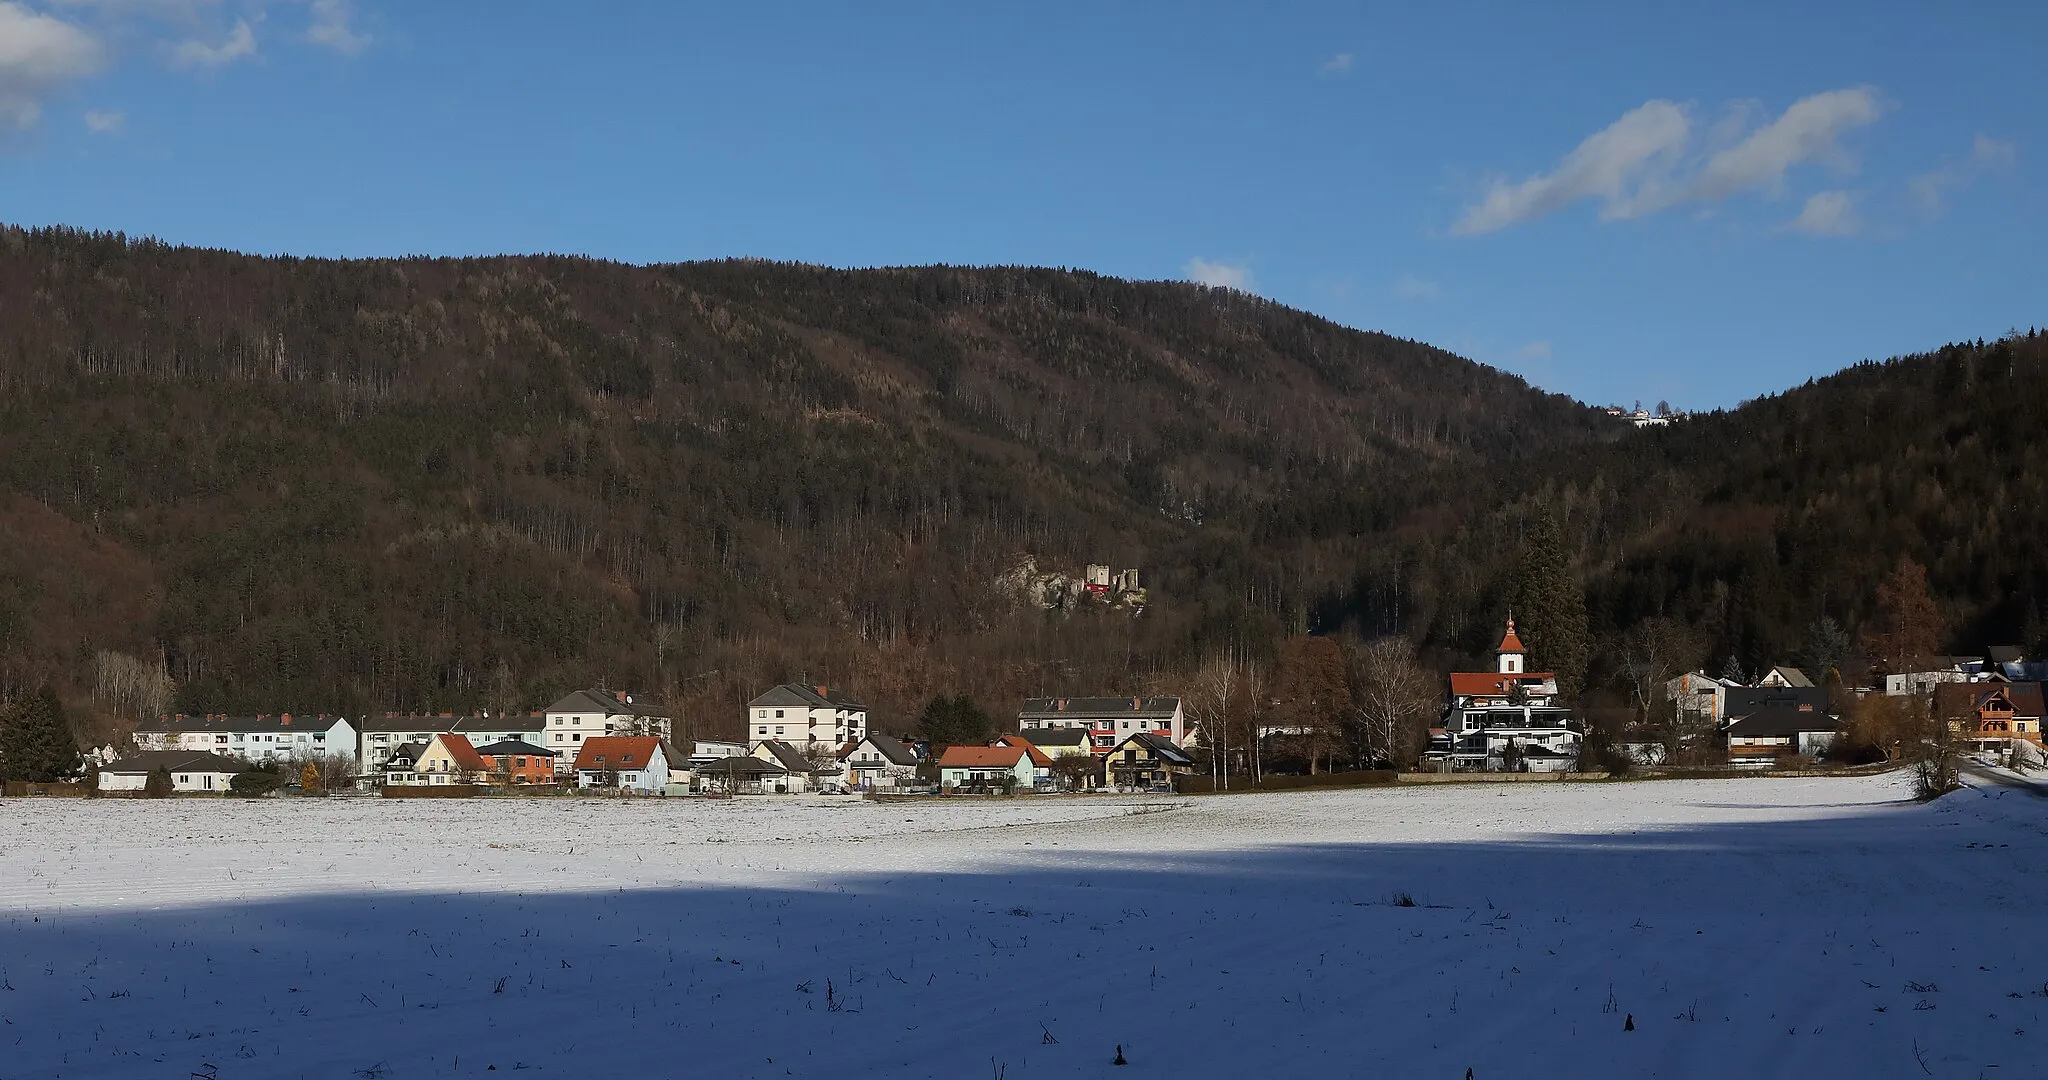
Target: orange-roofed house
(988,768)
(636,764)
(1506,718)
(450,759)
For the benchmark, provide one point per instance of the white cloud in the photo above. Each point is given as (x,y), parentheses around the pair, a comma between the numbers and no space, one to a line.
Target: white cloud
(1986,155)
(104,121)
(1647,160)
(1338,64)
(1993,153)
(1810,130)
(1827,213)
(1535,350)
(1219,275)
(39,54)
(1609,165)
(331,28)
(241,42)
(1410,287)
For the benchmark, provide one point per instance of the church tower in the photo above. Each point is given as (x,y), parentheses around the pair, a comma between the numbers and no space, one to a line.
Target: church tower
(1511,652)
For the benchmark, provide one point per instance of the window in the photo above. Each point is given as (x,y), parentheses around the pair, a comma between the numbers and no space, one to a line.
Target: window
(778,729)
(778,714)
(319,736)
(764,731)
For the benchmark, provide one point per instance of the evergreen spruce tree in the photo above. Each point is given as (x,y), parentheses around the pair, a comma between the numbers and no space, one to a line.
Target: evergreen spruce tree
(35,742)
(1827,648)
(1550,603)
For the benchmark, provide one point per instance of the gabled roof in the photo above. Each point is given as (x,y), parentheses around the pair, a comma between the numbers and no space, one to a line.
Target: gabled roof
(1792,676)
(461,725)
(1162,748)
(2005,654)
(514,746)
(459,751)
(1083,708)
(1038,757)
(409,751)
(1511,642)
(615,752)
(797,696)
(1954,700)
(1782,721)
(892,750)
(981,757)
(174,761)
(1494,684)
(598,701)
(228,724)
(741,765)
(792,760)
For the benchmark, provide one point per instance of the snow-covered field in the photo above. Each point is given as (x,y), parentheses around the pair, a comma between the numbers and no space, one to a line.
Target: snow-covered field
(1814,927)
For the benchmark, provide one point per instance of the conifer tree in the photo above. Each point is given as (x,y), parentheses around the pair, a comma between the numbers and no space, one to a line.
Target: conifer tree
(35,742)
(1550,603)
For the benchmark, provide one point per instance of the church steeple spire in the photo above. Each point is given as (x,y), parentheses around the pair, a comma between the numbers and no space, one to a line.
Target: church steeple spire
(1511,652)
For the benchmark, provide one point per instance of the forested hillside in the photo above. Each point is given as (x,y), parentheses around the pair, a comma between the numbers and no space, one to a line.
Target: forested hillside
(306,485)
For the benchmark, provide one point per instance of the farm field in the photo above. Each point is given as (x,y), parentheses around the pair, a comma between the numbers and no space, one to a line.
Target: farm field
(1761,927)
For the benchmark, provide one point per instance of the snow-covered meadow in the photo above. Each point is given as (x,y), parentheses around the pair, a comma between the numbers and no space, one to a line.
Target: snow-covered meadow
(1755,927)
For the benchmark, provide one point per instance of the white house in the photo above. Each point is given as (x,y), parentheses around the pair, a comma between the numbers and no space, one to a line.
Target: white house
(635,764)
(1496,717)
(591,714)
(190,770)
(879,763)
(806,716)
(252,738)
(450,759)
(803,774)
(1108,721)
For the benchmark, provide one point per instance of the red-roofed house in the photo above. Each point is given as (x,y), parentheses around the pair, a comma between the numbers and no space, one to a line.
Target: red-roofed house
(1497,718)
(449,759)
(632,763)
(1041,762)
(988,768)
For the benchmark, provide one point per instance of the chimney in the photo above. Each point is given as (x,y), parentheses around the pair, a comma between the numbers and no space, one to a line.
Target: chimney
(619,694)
(1136,704)
(285,720)
(822,690)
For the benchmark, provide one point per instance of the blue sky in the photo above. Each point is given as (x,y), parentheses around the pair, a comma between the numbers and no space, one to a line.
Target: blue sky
(1699,203)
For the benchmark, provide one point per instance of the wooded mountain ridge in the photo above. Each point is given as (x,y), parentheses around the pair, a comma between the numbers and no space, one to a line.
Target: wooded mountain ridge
(452,484)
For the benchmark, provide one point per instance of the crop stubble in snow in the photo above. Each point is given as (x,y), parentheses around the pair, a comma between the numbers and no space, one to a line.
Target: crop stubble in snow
(1748,927)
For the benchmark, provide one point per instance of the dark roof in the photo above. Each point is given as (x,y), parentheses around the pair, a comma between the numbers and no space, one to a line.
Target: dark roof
(409,751)
(460,725)
(598,701)
(793,760)
(280,722)
(1737,700)
(1952,700)
(1081,708)
(175,761)
(1056,738)
(893,750)
(740,765)
(1792,675)
(1781,721)
(2005,654)
(806,697)
(513,746)
(1161,747)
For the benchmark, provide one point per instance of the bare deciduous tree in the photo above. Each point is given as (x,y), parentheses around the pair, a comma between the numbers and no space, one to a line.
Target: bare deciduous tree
(1207,701)
(1395,697)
